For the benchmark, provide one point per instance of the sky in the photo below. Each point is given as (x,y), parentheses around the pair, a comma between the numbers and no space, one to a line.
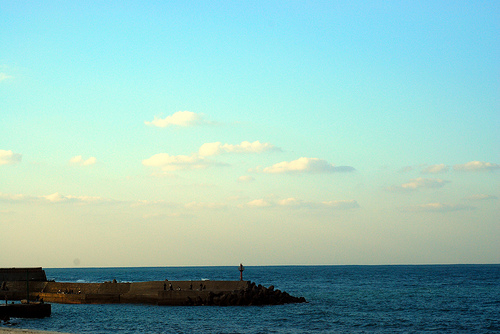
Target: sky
(173,133)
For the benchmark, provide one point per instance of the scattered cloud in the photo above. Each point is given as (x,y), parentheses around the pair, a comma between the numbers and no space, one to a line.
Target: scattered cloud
(9,157)
(257,203)
(476,166)
(480,197)
(52,198)
(180,118)
(178,162)
(438,207)
(344,204)
(15,197)
(204,205)
(246,178)
(293,202)
(5,76)
(154,203)
(162,215)
(237,198)
(435,169)
(306,165)
(57,197)
(78,160)
(296,203)
(406,169)
(419,183)
(199,160)
(149,205)
(216,148)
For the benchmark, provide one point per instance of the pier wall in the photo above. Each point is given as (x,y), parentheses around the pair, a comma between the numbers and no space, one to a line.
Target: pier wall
(153,292)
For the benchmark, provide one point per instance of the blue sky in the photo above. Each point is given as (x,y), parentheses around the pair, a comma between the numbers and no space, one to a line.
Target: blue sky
(166,133)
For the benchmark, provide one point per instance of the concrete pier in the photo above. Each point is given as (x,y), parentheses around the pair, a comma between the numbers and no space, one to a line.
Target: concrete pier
(205,292)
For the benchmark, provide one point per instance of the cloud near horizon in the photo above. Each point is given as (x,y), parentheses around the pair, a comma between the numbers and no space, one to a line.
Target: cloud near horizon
(343,204)
(204,205)
(170,163)
(246,178)
(272,202)
(180,118)
(57,197)
(52,198)
(209,149)
(5,76)
(78,160)
(306,165)
(420,183)
(9,157)
(435,169)
(292,202)
(15,197)
(199,161)
(480,197)
(439,207)
(476,166)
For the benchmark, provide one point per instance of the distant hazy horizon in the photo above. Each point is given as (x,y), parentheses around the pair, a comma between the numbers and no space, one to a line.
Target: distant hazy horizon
(263,133)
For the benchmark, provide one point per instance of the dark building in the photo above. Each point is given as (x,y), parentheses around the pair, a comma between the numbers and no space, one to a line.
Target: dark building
(21,274)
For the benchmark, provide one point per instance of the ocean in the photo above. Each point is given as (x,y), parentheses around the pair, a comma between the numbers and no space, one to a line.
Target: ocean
(341,299)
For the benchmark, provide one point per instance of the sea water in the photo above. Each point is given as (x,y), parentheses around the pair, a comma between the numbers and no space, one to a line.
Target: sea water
(341,299)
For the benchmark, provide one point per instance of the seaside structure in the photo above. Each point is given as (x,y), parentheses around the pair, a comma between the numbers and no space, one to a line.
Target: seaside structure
(28,308)
(205,292)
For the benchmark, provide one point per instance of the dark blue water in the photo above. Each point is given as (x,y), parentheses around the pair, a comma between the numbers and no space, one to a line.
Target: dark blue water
(342,299)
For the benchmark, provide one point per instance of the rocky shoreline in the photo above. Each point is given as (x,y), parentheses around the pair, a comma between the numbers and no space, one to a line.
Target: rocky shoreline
(252,295)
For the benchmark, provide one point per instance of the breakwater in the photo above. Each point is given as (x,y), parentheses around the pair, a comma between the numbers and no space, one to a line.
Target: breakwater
(175,293)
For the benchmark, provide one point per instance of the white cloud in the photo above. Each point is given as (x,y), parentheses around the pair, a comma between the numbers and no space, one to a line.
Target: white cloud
(57,197)
(257,203)
(15,197)
(78,160)
(293,202)
(343,204)
(52,198)
(480,197)
(9,157)
(204,205)
(476,166)
(180,118)
(434,169)
(420,182)
(246,178)
(154,203)
(297,203)
(5,76)
(178,162)
(306,165)
(209,149)
(438,207)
